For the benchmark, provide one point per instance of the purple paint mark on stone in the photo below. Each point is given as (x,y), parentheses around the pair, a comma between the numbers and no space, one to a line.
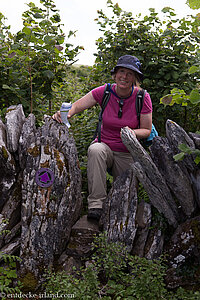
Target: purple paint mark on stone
(44,177)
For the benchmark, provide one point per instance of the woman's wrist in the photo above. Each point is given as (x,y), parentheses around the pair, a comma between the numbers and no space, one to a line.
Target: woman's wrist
(134,132)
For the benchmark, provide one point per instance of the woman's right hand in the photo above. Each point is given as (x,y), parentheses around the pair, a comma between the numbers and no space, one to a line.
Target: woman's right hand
(57,117)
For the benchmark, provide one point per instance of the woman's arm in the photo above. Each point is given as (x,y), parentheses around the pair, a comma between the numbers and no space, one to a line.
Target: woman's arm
(83,103)
(145,126)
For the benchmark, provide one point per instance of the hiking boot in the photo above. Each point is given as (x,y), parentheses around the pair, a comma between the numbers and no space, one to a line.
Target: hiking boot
(94,213)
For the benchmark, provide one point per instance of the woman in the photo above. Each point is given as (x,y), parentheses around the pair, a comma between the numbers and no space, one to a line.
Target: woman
(119,112)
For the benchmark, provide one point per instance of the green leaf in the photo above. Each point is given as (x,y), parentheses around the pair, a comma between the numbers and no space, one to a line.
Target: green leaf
(48,74)
(194,69)
(6,87)
(197,160)
(50,40)
(194,4)
(27,30)
(38,16)
(166,9)
(179,156)
(195,96)
(185,148)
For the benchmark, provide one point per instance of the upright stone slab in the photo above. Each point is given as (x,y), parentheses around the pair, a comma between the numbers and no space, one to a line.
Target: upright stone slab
(14,121)
(143,220)
(148,174)
(177,136)
(196,139)
(176,179)
(7,168)
(82,237)
(48,212)
(120,210)
(183,252)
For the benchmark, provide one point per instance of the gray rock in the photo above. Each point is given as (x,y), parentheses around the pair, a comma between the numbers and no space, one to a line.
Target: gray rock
(151,179)
(68,263)
(29,136)
(143,219)
(11,212)
(176,179)
(7,168)
(154,244)
(177,136)
(196,138)
(14,232)
(14,121)
(12,248)
(81,238)
(183,252)
(48,214)
(120,210)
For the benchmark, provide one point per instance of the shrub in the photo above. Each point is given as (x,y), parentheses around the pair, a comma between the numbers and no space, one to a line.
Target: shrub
(113,273)
(7,269)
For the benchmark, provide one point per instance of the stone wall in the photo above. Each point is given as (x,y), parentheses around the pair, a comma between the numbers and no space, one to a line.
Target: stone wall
(40,211)
(44,223)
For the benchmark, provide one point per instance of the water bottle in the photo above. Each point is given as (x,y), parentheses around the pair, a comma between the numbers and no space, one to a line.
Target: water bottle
(64,112)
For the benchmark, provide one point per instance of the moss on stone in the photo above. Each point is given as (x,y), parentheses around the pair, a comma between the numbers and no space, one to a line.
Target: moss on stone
(10,109)
(4,153)
(29,282)
(45,164)
(51,215)
(35,151)
(46,150)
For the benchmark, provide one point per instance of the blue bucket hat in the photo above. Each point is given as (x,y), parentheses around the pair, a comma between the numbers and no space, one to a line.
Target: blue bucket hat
(129,62)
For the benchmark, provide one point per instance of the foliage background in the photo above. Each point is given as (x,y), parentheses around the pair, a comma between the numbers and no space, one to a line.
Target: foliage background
(37,70)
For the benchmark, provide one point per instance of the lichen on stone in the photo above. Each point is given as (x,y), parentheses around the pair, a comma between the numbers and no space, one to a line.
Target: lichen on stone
(4,153)
(46,149)
(35,151)
(59,162)
(45,164)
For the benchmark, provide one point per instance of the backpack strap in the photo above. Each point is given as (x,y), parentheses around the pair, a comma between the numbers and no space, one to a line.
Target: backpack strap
(139,102)
(106,97)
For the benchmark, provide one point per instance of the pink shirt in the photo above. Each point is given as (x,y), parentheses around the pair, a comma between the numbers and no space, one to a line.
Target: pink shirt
(111,124)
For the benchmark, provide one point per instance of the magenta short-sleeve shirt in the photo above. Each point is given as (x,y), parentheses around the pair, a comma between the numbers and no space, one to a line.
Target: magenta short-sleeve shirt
(111,124)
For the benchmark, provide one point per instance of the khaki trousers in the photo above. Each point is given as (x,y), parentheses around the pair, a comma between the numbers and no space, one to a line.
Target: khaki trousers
(101,157)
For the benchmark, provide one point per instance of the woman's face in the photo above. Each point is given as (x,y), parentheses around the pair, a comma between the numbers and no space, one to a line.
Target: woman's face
(124,78)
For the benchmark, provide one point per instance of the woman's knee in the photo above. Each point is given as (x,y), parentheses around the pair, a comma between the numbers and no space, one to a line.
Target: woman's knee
(100,152)
(97,149)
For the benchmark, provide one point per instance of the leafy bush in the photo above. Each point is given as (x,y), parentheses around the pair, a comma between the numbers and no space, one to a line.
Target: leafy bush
(166,47)
(7,269)
(8,274)
(112,273)
(33,62)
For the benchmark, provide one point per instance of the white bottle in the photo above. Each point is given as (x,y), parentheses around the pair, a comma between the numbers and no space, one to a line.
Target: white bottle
(64,112)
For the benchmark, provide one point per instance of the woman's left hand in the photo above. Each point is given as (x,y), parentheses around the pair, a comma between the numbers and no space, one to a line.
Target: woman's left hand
(132,130)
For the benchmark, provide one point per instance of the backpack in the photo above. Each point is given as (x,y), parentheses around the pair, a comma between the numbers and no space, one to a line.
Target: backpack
(138,105)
